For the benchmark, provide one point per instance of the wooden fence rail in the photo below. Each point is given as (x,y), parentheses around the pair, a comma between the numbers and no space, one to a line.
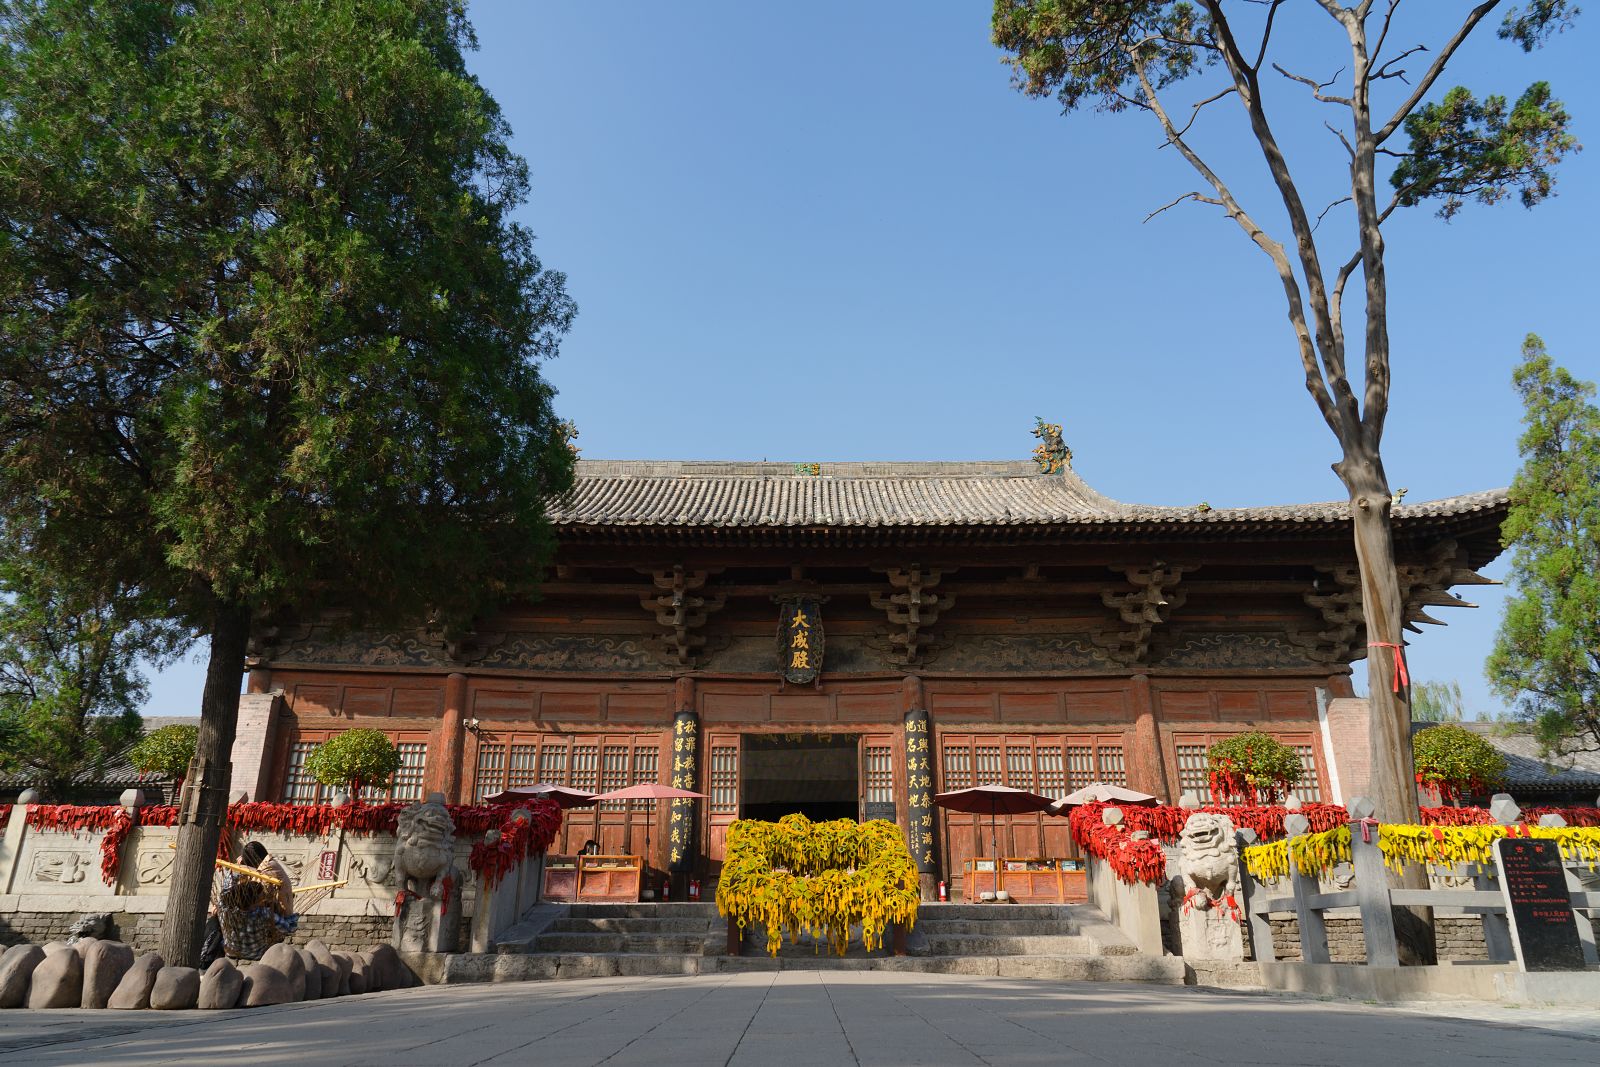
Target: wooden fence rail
(1371,895)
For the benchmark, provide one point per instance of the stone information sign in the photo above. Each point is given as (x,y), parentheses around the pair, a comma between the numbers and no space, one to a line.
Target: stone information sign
(879,809)
(1543,929)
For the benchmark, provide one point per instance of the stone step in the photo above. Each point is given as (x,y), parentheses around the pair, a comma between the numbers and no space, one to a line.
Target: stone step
(1009,912)
(643,911)
(996,927)
(636,926)
(1163,970)
(667,944)
(985,945)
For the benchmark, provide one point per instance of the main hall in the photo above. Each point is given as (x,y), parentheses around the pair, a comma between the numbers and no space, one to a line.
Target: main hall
(961,624)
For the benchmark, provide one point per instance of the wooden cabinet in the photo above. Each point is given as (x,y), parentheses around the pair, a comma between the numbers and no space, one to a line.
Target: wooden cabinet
(1026,879)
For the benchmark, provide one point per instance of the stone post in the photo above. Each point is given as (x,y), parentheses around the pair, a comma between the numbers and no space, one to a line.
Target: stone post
(1372,886)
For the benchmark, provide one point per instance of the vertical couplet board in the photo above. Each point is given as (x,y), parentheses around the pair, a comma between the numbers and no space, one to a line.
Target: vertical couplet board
(685,775)
(919,790)
(1539,905)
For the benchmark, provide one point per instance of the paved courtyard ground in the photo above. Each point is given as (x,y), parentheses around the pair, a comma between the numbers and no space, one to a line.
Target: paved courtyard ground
(801,1018)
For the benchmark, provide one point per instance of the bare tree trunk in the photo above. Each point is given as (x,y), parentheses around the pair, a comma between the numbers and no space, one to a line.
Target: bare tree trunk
(203,807)
(1393,786)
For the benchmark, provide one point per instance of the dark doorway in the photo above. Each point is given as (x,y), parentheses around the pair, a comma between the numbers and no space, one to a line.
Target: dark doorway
(817,775)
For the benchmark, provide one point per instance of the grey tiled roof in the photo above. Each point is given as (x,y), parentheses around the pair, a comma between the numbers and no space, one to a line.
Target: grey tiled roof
(119,772)
(611,493)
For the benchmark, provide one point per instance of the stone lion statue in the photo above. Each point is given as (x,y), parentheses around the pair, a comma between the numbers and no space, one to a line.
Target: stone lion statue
(1209,861)
(91,925)
(428,907)
(1208,915)
(424,843)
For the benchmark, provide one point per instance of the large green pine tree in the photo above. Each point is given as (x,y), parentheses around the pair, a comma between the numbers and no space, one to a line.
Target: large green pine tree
(269,334)
(1547,654)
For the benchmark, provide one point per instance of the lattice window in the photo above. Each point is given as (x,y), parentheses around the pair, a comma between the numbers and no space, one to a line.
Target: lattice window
(553,763)
(1309,788)
(1019,767)
(586,768)
(523,769)
(725,779)
(614,775)
(491,771)
(1111,769)
(298,786)
(1052,773)
(880,775)
(646,768)
(957,767)
(1192,774)
(1080,766)
(987,758)
(413,766)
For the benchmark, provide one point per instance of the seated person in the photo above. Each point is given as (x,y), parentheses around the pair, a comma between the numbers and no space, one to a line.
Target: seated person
(254,916)
(591,847)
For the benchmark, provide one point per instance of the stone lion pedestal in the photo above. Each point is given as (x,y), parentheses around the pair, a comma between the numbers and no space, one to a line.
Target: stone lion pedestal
(428,905)
(1207,908)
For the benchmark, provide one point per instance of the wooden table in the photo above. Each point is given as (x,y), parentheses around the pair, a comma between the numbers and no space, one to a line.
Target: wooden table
(615,878)
(1049,885)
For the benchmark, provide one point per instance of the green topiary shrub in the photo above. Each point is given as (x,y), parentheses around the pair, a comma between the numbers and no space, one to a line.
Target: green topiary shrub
(1456,761)
(1252,767)
(166,752)
(353,760)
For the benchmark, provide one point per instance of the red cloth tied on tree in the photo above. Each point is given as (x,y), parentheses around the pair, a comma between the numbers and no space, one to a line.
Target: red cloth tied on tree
(1400,675)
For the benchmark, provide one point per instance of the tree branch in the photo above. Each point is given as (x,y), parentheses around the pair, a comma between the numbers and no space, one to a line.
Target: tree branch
(1316,86)
(1208,100)
(1315,383)
(1266,34)
(1473,18)
(1196,197)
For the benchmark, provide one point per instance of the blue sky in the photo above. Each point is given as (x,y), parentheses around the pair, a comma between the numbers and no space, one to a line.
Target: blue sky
(833,231)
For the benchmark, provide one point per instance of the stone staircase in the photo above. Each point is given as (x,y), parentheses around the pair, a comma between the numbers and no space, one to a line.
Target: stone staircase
(1071,942)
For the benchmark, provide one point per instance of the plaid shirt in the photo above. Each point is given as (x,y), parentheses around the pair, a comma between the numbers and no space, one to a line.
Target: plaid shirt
(247,933)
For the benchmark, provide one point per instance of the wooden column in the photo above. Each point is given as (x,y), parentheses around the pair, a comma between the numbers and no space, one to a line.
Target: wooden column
(920,778)
(444,766)
(1147,770)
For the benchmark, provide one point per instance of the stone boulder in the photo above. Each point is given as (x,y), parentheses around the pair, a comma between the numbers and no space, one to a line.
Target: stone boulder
(313,979)
(285,959)
(58,980)
(386,969)
(133,992)
(104,964)
(346,963)
(265,984)
(175,989)
(335,979)
(220,986)
(16,970)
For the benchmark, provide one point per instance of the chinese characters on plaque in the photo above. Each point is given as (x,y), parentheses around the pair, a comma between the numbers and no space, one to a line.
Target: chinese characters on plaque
(1538,904)
(685,772)
(800,641)
(919,790)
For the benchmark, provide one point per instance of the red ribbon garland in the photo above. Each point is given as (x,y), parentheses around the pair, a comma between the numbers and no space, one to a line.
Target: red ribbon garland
(1400,675)
(1366,829)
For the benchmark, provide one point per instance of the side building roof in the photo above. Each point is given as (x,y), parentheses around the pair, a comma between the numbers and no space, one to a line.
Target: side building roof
(1006,501)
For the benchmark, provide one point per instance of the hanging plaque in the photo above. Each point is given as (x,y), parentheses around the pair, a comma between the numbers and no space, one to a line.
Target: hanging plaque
(800,640)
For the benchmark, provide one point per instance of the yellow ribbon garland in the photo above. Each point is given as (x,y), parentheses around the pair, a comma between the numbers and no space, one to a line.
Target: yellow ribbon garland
(799,877)
(1437,846)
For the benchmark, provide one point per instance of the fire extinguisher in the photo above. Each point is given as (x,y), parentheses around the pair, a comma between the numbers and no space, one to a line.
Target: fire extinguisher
(944,892)
(694,890)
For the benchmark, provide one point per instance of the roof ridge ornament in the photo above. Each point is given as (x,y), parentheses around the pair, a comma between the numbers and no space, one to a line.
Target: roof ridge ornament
(1051,453)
